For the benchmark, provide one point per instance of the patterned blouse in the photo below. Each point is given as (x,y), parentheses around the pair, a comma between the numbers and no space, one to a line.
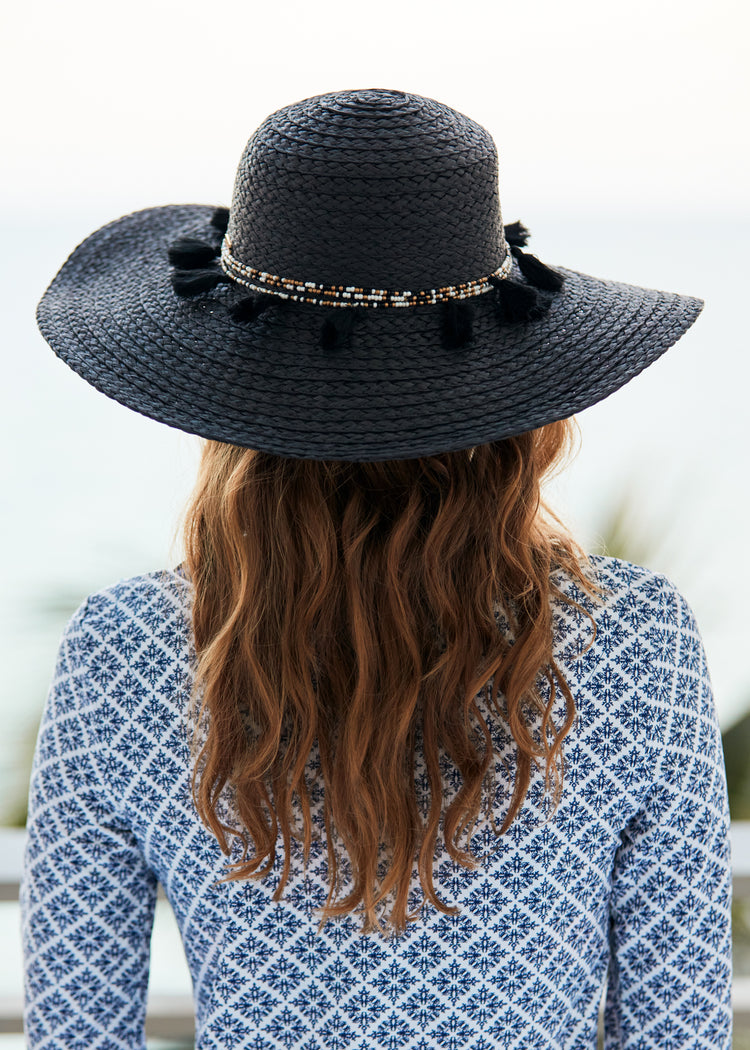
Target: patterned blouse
(623,892)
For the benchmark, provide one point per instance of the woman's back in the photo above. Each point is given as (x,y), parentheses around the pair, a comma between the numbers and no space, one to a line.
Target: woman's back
(634,861)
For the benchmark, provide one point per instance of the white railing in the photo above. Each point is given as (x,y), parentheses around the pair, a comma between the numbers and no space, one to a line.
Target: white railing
(169,1011)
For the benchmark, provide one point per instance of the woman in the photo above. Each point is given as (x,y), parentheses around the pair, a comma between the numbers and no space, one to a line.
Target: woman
(293,730)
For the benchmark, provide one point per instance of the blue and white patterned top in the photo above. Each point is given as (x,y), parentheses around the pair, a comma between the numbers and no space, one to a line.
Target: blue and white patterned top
(632,871)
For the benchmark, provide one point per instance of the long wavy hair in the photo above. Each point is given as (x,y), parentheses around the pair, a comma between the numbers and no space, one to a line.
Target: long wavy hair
(352,602)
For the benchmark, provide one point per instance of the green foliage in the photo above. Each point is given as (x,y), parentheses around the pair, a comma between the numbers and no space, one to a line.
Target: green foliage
(736,744)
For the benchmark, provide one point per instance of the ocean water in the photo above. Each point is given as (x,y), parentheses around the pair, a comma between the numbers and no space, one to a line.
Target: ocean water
(91,492)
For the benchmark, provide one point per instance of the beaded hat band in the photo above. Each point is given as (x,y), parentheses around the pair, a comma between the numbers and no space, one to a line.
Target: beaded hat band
(352,295)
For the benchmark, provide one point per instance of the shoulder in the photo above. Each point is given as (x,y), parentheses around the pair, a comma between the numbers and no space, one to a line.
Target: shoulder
(636,640)
(633,594)
(115,625)
(123,673)
(639,672)
(149,598)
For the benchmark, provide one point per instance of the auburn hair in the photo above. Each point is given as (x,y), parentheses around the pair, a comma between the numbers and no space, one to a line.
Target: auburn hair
(350,602)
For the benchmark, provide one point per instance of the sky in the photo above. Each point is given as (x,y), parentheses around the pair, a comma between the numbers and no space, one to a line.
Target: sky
(642,106)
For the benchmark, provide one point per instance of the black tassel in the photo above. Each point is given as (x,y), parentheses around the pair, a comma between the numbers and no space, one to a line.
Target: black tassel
(457,324)
(516,302)
(251,306)
(516,234)
(193,282)
(220,219)
(336,330)
(190,253)
(536,272)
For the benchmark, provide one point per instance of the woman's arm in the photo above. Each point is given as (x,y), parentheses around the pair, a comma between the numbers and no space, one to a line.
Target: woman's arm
(87,895)
(670,974)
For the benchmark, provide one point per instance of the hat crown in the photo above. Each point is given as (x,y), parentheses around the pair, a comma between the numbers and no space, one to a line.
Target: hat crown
(375,188)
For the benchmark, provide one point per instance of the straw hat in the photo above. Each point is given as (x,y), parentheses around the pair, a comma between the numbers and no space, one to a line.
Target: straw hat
(361,299)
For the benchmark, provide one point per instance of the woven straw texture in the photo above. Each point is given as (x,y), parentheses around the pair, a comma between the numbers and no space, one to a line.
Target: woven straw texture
(380,189)
(377,188)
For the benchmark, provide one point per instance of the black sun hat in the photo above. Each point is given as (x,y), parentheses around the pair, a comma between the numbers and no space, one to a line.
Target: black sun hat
(361,299)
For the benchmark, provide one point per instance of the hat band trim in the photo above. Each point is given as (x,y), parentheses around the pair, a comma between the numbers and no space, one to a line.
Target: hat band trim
(351,295)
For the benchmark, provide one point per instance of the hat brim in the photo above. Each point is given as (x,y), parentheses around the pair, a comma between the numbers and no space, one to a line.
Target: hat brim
(394,392)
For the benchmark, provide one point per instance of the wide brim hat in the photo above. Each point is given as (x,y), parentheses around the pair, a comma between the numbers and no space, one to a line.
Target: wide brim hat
(360,299)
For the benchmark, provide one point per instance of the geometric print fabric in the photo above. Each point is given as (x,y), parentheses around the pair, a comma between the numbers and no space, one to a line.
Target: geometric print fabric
(629,880)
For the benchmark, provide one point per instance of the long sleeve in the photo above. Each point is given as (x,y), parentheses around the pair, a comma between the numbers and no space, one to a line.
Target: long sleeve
(87,896)
(670,974)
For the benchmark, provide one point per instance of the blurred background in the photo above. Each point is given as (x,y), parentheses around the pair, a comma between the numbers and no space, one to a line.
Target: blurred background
(623,146)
